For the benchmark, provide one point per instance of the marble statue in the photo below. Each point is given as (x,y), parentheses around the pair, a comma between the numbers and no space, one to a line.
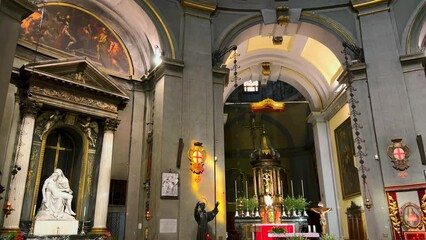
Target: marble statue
(57,198)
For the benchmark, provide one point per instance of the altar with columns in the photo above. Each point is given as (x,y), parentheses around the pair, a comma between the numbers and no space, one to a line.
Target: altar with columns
(63,126)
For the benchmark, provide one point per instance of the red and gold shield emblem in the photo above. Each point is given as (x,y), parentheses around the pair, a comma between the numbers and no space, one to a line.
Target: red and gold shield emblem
(197,155)
(398,152)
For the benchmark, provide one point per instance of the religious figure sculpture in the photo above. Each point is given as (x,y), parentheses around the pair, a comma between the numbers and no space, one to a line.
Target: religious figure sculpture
(202,217)
(57,198)
(91,129)
(46,121)
(321,210)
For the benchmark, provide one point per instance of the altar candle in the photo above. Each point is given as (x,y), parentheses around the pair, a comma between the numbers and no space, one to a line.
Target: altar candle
(282,188)
(84,212)
(246,190)
(35,208)
(303,191)
(235,190)
(314,228)
(292,192)
(309,228)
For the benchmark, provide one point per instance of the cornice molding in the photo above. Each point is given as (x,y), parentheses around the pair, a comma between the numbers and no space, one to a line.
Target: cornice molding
(202,6)
(359,4)
(17,9)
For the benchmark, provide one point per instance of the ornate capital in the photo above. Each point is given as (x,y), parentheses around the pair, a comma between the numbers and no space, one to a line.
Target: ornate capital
(30,108)
(111,124)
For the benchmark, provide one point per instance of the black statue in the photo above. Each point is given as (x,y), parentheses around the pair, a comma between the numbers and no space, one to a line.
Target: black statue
(202,217)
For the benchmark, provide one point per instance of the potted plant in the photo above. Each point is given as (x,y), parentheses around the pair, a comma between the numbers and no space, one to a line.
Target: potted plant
(288,203)
(300,204)
(252,205)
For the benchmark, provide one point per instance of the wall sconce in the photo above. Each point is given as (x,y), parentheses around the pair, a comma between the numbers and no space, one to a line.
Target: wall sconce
(197,156)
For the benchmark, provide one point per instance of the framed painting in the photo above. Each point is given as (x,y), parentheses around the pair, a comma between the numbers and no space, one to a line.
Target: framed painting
(345,156)
(411,215)
(170,185)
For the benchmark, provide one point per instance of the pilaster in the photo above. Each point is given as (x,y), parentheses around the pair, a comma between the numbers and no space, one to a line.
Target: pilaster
(325,166)
(22,158)
(11,14)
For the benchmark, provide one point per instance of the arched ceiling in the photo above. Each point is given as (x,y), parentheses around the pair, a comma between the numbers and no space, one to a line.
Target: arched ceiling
(309,58)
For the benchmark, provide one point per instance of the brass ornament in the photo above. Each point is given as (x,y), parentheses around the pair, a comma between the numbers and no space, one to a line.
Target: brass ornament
(399,153)
(8,209)
(393,215)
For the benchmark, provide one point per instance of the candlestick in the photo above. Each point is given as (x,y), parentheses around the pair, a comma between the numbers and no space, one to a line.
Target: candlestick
(282,188)
(246,190)
(84,212)
(292,192)
(314,228)
(235,191)
(309,228)
(303,191)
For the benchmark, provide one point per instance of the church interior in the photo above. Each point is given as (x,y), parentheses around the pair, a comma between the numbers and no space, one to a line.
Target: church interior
(212,119)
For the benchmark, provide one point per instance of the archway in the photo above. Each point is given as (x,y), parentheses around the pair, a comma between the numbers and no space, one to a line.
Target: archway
(308,60)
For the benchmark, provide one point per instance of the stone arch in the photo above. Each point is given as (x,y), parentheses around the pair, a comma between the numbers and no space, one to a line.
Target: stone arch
(414,36)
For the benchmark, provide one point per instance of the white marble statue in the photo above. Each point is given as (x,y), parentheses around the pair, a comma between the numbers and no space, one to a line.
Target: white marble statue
(57,198)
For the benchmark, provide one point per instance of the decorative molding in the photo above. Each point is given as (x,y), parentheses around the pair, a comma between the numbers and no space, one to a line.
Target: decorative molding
(367,4)
(374,11)
(65,95)
(203,6)
(393,214)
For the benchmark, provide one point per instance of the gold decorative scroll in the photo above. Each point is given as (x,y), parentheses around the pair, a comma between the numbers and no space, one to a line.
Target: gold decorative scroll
(267,104)
(73,98)
(393,214)
(424,209)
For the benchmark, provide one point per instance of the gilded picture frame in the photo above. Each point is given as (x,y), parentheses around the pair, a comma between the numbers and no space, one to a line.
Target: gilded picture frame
(349,178)
(169,185)
(411,215)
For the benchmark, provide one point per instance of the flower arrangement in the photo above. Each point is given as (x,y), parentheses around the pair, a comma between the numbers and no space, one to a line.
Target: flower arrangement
(15,236)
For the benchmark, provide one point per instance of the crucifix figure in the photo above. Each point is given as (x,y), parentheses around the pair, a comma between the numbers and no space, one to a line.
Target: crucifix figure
(252,128)
(321,210)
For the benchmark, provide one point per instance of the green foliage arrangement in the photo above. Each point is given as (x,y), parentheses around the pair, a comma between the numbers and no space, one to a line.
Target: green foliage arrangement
(288,203)
(300,203)
(278,230)
(252,204)
(297,238)
(328,237)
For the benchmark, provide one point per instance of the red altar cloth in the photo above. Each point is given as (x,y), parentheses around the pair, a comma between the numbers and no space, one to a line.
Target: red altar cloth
(261,230)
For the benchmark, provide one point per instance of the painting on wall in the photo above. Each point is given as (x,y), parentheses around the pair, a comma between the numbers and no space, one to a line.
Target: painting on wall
(76,31)
(345,156)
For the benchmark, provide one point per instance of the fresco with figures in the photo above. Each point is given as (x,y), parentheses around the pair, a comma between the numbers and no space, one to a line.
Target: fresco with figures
(76,31)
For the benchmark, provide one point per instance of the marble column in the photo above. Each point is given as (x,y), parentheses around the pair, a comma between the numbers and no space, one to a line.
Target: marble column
(102,194)
(325,172)
(11,14)
(17,185)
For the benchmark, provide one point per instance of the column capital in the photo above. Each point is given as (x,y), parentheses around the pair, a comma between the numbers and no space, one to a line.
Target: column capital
(30,107)
(111,124)
(316,117)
